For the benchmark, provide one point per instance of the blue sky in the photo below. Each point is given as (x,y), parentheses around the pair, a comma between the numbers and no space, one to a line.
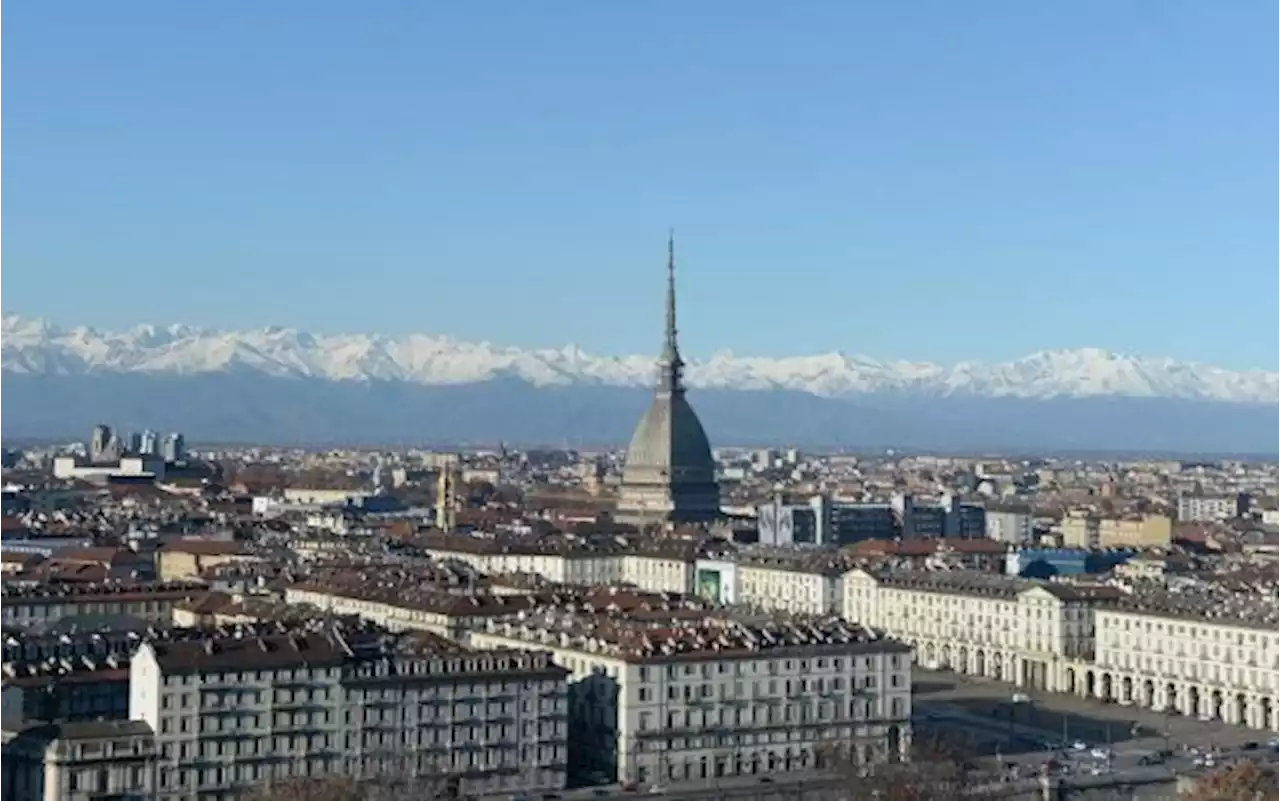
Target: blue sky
(930,180)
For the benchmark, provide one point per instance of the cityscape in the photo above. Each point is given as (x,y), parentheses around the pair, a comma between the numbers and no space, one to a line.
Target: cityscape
(838,402)
(677,619)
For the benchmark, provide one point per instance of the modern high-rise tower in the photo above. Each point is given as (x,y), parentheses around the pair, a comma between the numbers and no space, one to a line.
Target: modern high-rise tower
(670,474)
(99,442)
(173,448)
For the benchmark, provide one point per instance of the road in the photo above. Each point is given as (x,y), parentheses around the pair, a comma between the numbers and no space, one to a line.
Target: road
(1062,717)
(1068,730)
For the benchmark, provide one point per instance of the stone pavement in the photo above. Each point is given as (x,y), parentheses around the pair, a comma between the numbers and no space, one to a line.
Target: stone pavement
(1085,718)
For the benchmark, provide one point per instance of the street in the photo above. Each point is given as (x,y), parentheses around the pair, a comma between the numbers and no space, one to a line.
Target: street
(1057,718)
(1081,740)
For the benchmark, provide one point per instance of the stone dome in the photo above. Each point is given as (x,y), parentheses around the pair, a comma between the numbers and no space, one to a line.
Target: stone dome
(669,475)
(669,444)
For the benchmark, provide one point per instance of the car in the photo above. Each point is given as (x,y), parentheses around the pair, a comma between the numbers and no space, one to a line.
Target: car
(1079,745)
(1249,746)
(657,789)
(1021,698)
(1100,753)
(1151,759)
(766,780)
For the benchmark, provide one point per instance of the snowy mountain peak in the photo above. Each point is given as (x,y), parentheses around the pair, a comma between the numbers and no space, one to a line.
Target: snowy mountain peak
(37,346)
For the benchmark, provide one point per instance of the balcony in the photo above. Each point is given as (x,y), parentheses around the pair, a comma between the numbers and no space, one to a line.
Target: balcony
(307,703)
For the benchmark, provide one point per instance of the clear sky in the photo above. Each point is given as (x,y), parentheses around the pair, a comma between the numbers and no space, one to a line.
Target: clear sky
(933,179)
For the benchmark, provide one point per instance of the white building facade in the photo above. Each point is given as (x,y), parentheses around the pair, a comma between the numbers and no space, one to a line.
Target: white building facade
(233,712)
(1016,630)
(736,704)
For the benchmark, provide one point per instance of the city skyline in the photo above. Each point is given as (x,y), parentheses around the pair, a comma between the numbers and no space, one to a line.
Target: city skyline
(825,171)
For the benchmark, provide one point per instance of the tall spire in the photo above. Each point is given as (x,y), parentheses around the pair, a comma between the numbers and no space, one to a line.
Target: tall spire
(670,363)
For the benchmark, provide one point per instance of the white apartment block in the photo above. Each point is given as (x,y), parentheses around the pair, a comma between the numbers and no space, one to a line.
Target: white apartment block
(798,582)
(663,567)
(239,710)
(655,701)
(1016,630)
(1218,659)
(1013,526)
(1206,509)
(658,572)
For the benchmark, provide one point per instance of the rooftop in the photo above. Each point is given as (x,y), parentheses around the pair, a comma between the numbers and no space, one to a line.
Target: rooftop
(679,638)
(994,585)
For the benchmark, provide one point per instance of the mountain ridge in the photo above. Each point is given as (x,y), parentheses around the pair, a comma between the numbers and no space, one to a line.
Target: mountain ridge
(37,347)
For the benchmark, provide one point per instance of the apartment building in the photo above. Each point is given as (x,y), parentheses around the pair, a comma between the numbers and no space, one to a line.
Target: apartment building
(936,553)
(401,602)
(659,697)
(791,581)
(1009,524)
(1021,631)
(45,604)
(186,559)
(84,761)
(65,692)
(656,566)
(1202,651)
(239,709)
(401,605)
(1085,530)
(76,675)
(1211,508)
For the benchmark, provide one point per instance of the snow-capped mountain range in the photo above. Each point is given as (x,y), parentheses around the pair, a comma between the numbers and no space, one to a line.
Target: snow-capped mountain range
(38,347)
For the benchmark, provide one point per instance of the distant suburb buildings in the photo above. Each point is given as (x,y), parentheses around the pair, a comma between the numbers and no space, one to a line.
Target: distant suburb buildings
(140,456)
(1085,530)
(823,520)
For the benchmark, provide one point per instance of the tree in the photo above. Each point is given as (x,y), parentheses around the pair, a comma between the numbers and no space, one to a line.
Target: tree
(939,769)
(1242,781)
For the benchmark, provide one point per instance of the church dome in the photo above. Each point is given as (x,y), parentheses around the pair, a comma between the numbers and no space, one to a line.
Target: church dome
(670,474)
(670,443)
